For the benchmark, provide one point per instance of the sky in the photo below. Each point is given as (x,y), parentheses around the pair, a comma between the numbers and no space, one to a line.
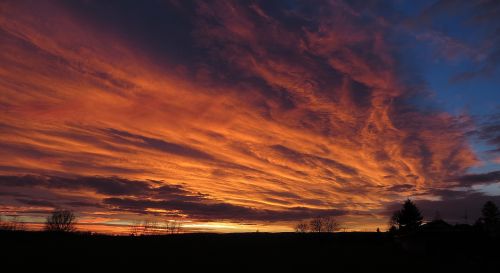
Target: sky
(235,116)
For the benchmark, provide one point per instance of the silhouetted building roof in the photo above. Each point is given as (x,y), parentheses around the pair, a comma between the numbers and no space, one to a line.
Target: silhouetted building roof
(436,226)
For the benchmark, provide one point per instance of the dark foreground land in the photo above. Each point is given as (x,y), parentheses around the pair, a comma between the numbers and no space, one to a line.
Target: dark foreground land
(251,252)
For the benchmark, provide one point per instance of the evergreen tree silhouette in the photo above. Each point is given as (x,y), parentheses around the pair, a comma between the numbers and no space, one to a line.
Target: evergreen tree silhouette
(409,217)
(490,213)
(490,219)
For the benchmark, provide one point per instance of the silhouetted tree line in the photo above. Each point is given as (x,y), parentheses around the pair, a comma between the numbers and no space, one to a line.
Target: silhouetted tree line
(409,219)
(149,227)
(64,221)
(58,221)
(318,224)
(13,223)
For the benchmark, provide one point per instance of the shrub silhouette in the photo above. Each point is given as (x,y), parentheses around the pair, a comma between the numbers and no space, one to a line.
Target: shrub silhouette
(393,222)
(61,221)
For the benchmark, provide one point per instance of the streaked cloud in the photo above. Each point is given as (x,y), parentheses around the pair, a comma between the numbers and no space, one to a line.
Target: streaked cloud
(230,111)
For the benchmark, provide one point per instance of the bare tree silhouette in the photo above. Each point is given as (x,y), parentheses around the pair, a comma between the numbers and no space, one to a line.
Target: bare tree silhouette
(330,224)
(173,226)
(3,225)
(135,228)
(301,227)
(323,224)
(145,227)
(316,224)
(153,227)
(61,221)
(150,227)
(14,224)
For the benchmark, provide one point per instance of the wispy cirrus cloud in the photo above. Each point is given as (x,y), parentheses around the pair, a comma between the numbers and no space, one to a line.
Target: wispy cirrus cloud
(275,112)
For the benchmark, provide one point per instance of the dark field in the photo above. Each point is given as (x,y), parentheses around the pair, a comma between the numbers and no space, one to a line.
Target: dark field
(251,252)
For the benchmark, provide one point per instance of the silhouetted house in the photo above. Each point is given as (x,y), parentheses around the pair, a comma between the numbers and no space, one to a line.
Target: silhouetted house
(463,228)
(428,238)
(436,226)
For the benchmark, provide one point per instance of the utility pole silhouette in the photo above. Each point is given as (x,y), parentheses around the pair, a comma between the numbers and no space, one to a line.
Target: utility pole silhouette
(437,216)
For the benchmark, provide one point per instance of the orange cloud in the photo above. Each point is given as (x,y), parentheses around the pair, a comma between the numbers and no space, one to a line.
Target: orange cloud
(263,117)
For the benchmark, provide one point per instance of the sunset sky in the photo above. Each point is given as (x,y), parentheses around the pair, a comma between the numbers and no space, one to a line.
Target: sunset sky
(248,115)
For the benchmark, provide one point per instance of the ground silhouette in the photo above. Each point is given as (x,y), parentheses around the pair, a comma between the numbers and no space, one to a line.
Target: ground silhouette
(423,251)
(412,246)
